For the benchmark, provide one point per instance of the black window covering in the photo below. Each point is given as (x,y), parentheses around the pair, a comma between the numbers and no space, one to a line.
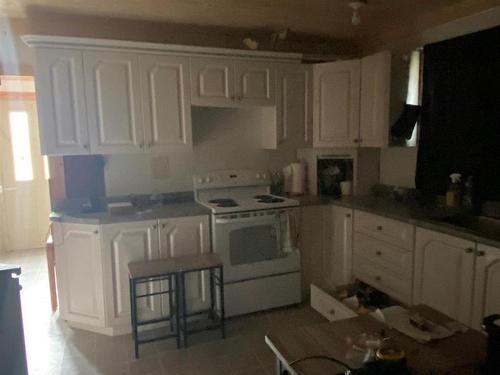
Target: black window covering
(460,118)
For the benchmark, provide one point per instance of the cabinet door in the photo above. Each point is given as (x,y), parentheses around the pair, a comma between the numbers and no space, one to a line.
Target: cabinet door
(255,83)
(375,100)
(339,247)
(486,285)
(79,273)
(212,82)
(188,236)
(113,102)
(124,243)
(293,107)
(61,102)
(166,102)
(336,104)
(444,268)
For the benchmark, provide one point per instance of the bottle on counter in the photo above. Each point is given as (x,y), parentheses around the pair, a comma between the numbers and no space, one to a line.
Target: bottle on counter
(454,191)
(468,198)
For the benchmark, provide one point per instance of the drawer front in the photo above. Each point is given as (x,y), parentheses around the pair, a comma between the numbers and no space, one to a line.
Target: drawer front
(388,230)
(398,260)
(328,306)
(383,279)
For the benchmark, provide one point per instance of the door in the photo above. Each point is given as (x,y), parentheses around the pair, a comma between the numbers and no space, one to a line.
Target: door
(24,190)
(339,248)
(187,236)
(212,82)
(255,83)
(375,100)
(293,107)
(336,104)
(444,272)
(486,285)
(124,243)
(166,102)
(79,273)
(61,101)
(113,102)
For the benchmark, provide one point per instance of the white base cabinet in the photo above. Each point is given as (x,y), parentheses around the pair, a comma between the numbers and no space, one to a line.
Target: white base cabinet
(92,269)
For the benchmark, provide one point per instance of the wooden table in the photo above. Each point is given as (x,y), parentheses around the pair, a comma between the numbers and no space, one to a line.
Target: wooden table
(458,354)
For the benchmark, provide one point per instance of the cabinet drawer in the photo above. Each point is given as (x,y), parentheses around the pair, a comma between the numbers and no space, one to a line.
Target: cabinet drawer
(391,231)
(328,306)
(398,260)
(383,279)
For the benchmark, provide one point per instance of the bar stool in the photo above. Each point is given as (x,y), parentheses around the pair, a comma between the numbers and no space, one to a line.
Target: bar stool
(147,272)
(204,262)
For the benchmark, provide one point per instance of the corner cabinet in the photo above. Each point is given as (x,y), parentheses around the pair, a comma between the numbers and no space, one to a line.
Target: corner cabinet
(60,94)
(80,274)
(444,273)
(219,82)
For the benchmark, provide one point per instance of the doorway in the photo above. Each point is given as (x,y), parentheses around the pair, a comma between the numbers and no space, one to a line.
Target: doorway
(24,172)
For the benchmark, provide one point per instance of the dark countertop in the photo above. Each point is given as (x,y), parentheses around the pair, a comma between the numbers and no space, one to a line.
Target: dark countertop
(422,216)
(166,211)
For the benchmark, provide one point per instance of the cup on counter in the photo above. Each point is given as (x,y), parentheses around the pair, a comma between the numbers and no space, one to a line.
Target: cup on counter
(346,187)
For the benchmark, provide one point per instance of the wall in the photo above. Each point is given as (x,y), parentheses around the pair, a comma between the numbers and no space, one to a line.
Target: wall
(223,139)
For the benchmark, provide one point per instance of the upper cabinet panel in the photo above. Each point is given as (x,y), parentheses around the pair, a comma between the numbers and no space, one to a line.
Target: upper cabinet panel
(113,102)
(375,99)
(212,82)
(61,102)
(336,104)
(166,102)
(255,83)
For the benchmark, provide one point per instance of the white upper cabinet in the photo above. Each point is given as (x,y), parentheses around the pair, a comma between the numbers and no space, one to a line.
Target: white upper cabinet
(444,274)
(166,102)
(375,100)
(336,104)
(212,82)
(486,284)
(61,102)
(113,102)
(232,83)
(254,83)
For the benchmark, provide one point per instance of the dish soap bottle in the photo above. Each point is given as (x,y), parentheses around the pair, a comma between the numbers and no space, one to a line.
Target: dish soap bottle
(468,198)
(453,193)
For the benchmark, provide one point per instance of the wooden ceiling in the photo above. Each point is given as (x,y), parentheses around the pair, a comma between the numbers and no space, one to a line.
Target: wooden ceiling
(325,18)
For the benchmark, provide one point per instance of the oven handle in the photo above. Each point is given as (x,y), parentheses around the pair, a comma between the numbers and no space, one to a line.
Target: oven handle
(256,219)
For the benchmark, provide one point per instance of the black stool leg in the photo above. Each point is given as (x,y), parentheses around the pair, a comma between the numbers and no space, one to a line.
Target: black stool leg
(133,314)
(222,310)
(211,313)
(184,309)
(171,302)
(177,311)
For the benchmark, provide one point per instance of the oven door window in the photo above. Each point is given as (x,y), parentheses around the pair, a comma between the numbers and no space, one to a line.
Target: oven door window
(254,244)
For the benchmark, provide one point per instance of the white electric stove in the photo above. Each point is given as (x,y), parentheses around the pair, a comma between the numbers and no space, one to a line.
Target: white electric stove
(255,233)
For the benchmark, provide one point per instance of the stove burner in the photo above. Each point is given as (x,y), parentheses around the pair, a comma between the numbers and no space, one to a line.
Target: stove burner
(223,202)
(268,199)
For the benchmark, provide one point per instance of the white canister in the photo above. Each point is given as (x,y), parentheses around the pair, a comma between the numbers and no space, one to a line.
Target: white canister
(298,184)
(346,187)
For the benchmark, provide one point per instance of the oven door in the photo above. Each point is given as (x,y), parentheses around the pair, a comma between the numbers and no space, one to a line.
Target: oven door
(250,245)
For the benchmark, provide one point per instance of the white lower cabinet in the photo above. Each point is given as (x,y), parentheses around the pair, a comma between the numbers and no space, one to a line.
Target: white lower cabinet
(339,262)
(80,274)
(92,269)
(444,274)
(328,306)
(486,284)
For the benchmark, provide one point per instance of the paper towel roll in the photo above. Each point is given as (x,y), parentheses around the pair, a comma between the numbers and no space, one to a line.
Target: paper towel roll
(298,182)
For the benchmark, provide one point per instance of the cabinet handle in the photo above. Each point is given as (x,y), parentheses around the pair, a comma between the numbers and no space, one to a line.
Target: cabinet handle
(378,278)
(480,253)
(164,226)
(469,250)
(154,226)
(232,97)
(379,227)
(347,215)
(379,253)
(356,140)
(96,232)
(86,147)
(332,312)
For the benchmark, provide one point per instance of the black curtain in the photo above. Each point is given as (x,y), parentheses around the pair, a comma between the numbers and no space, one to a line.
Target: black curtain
(460,119)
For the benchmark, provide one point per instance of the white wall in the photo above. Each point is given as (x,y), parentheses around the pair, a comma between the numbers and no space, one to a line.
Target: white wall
(223,139)
(397,166)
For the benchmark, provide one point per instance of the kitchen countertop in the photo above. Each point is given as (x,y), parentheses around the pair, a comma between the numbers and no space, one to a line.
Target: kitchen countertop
(166,211)
(422,216)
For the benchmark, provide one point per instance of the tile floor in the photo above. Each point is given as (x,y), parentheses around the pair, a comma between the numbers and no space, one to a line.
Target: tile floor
(53,348)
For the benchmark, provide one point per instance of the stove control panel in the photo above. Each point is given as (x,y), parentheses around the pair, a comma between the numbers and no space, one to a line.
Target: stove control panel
(231,178)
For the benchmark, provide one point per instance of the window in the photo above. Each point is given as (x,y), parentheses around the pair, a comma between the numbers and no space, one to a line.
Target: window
(413,94)
(21,147)
(46,168)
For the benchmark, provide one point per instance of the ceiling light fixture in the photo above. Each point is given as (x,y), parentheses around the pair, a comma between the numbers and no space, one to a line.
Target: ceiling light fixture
(356,6)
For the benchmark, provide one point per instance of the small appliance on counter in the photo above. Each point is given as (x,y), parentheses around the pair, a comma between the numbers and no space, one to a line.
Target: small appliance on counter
(334,175)
(294,176)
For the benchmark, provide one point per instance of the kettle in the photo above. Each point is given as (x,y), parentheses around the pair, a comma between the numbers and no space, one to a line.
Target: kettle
(491,324)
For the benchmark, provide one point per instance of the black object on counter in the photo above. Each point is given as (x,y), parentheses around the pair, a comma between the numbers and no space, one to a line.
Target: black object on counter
(491,324)
(12,347)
